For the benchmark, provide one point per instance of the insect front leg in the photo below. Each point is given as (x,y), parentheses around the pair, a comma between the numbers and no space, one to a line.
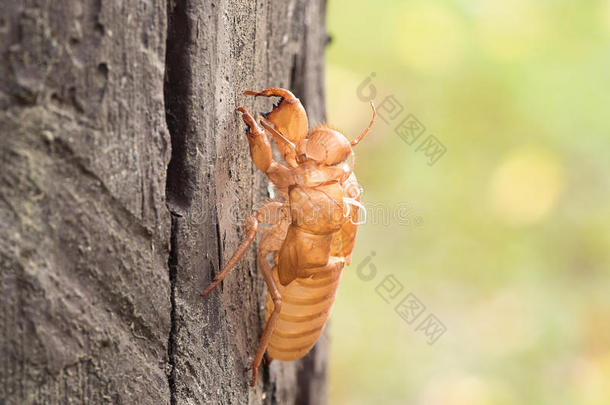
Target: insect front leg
(288,117)
(260,148)
(274,92)
(262,155)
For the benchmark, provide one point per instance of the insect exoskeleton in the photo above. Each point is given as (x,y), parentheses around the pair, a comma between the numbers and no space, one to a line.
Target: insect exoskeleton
(309,232)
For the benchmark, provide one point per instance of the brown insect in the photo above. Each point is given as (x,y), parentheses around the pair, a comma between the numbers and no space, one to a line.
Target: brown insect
(312,231)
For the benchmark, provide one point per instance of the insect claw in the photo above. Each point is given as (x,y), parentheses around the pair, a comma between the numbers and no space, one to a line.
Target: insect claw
(213,285)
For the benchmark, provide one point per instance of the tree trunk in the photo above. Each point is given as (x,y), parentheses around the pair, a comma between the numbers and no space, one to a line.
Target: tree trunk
(124,184)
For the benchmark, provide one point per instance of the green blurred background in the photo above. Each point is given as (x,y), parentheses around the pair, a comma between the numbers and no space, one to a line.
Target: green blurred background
(505,238)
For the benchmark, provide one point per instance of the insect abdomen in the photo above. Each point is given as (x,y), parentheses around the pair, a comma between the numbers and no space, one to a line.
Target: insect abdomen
(306,305)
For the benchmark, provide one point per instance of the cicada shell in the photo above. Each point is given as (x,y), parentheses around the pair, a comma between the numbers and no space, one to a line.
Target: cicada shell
(309,233)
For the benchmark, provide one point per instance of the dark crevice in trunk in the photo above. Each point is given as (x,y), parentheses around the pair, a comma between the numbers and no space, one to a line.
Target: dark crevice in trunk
(309,378)
(218,245)
(180,173)
(293,73)
(177,89)
(172,264)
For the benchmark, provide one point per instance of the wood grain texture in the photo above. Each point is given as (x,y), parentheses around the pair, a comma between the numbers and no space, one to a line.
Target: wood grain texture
(124,183)
(85,232)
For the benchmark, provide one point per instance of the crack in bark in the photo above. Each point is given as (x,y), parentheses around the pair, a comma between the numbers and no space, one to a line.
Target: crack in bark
(180,176)
(218,244)
(172,263)
(176,93)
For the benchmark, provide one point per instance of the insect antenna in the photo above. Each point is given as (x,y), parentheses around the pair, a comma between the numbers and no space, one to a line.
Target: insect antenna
(357,140)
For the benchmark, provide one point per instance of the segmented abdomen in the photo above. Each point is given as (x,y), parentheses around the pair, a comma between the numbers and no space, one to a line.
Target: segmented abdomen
(306,305)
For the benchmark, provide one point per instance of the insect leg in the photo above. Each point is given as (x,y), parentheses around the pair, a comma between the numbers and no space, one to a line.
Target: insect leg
(263,265)
(270,213)
(274,92)
(260,148)
(261,153)
(252,227)
(288,118)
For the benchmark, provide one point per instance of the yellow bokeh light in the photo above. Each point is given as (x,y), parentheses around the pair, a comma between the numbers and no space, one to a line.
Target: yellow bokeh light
(590,380)
(429,37)
(462,389)
(605,15)
(514,331)
(525,186)
(341,97)
(511,29)
(534,329)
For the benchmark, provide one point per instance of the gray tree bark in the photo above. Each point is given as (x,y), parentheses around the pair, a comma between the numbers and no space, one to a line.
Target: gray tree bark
(125,179)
